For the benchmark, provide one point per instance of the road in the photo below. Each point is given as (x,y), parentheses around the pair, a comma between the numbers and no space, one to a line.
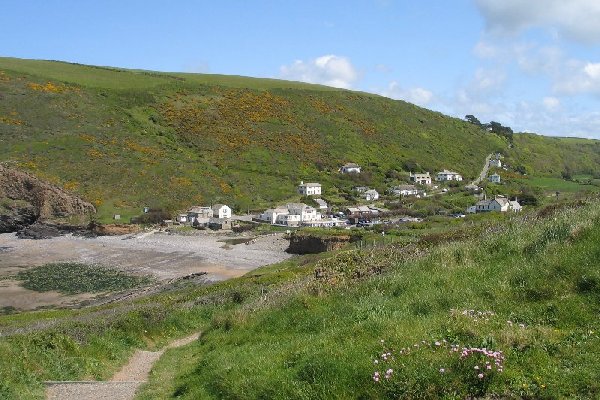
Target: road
(484,171)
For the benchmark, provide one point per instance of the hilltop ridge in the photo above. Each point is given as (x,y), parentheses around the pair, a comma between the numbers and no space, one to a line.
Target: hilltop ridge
(124,139)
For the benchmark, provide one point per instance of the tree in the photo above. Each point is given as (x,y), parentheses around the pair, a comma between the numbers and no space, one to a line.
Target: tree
(472,119)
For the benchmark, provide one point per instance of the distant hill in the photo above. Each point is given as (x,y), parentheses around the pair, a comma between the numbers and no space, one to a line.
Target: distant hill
(124,139)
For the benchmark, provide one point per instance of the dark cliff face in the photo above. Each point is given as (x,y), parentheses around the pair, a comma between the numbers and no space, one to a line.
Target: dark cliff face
(15,215)
(24,200)
(308,244)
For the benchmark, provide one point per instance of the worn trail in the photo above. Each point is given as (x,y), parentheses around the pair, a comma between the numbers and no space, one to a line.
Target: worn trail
(122,386)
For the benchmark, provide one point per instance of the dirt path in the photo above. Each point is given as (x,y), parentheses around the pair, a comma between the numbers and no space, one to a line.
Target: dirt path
(122,386)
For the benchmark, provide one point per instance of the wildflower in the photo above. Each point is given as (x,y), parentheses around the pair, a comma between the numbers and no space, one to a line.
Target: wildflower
(480,376)
(438,343)
(476,367)
(376,376)
(376,362)
(442,370)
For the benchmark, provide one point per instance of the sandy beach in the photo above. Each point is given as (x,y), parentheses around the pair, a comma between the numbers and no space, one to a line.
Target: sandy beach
(162,255)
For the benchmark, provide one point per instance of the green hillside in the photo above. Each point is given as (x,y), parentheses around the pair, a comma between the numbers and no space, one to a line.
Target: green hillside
(525,288)
(123,139)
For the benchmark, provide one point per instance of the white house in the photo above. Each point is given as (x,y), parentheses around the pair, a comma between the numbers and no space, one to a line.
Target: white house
(494,178)
(472,209)
(221,211)
(446,175)
(350,168)
(496,163)
(306,213)
(371,195)
(499,203)
(200,214)
(404,190)
(515,206)
(309,189)
(422,179)
(293,214)
(272,214)
(321,203)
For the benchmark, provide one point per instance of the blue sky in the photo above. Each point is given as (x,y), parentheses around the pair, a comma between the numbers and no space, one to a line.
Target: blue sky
(532,65)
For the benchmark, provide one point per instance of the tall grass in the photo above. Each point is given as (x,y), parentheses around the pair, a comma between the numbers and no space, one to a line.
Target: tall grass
(528,289)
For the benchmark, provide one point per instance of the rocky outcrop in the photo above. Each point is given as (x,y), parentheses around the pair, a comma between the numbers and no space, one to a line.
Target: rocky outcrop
(310,244)
(15,215)
(114,229)
(24,199)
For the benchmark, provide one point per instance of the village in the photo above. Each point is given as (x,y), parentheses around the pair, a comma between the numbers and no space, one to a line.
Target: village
(320,214)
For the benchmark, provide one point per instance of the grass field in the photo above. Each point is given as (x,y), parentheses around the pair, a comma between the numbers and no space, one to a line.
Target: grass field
(524,288)
(528,293)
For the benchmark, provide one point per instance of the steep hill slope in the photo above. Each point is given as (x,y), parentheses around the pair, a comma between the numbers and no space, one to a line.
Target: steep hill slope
(123,139)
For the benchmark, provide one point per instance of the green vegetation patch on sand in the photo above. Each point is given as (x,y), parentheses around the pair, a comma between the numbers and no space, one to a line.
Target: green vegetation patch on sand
(74,278)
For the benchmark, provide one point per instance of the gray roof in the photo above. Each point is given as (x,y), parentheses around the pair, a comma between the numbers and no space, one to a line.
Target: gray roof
(405,187)
(310,184)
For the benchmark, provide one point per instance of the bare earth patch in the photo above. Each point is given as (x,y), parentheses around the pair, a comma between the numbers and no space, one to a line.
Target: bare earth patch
(161,255)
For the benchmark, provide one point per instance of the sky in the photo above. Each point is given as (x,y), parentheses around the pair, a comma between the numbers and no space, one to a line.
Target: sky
(533,65)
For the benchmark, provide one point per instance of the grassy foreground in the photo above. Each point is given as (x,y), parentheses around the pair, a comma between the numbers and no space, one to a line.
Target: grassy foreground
(528,292)
(526,288)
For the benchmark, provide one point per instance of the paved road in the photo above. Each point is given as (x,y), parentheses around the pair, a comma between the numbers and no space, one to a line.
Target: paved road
(484,171)
(122,386)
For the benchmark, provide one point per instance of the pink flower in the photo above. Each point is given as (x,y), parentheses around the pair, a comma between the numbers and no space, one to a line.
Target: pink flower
(480,376)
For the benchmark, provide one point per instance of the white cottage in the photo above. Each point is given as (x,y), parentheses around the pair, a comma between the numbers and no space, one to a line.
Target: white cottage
(422,179)
(309,189)
(221,211)
(350,168)
(404,190)
(371,195)
(496,163)
(446,175)
(494,178)
(499,203)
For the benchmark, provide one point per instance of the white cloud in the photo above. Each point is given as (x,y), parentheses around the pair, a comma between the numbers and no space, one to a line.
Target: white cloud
(551,103)
(417,95)
(330,70)
(574,19)
(486,81)
(592,70)
(578,77)
(485,49)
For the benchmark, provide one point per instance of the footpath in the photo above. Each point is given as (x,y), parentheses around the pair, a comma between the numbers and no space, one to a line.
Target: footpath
(122,386)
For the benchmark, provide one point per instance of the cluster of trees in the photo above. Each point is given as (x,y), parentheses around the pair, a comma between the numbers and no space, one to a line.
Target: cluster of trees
(493,126)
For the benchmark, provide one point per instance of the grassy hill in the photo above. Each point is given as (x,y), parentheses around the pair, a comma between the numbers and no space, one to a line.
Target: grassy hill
(525,288)
(123,139)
